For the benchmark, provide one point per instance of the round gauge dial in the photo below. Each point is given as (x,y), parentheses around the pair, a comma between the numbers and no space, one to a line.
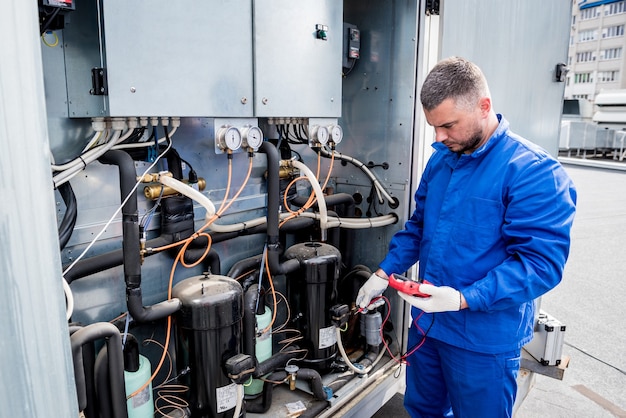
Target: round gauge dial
(336,134)
(230,138)
(322,135)
(253,138)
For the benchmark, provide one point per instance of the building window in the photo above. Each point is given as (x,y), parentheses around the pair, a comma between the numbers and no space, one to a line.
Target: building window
(614,8)
(613,31)
(611,53)
(607,76)
(581,78)
(589,35)
(590,13)
(586,56)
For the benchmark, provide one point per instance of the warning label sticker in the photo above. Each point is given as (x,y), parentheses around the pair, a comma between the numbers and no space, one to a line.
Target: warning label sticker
(327,337)
(226,397)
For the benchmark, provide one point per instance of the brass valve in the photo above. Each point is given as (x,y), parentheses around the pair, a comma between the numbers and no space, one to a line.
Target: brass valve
(153,191)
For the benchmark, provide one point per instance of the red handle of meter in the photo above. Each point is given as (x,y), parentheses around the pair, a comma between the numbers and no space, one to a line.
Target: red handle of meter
(410,287)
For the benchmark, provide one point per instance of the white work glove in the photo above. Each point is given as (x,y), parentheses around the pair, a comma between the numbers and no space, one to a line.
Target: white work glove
(373,287)
(442,299)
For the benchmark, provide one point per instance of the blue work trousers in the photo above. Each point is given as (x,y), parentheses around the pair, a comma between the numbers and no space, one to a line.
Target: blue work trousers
(447,381)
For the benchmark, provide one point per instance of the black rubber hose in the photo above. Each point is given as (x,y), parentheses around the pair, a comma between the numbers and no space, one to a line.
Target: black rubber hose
(102,262)
(103,390)
(94,265)
(130,217)
(71,213)
(331,200)
(249,321)
(314,378)
(89,361)
(130,244)
(91,333)
(273,201)
(268,388)
(245,265)
(211,260)
(273,191)
(277,361)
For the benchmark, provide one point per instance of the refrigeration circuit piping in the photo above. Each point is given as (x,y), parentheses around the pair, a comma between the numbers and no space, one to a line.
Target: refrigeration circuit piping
(130,244)
(113,340)
(273,202)
(191,193)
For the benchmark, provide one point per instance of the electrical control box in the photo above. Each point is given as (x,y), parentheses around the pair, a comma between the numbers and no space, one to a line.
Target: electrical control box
(351,45)
(547,344)
(63,4)
(297,58)
(155,59)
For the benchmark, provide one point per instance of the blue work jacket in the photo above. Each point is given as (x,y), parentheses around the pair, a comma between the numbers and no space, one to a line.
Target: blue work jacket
(495,225)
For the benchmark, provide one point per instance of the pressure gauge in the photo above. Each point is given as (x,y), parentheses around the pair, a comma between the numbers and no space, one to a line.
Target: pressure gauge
(229,138)
(321,135)
(336,134)
(253,138)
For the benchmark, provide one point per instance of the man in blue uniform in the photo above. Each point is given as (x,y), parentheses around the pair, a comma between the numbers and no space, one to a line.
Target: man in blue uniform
(491,232)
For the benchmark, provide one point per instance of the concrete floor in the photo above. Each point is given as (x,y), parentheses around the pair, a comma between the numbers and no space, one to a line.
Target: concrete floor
(591,302)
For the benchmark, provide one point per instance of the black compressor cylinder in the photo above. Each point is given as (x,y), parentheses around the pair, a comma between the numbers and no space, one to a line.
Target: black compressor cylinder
(209,328)
(312,291)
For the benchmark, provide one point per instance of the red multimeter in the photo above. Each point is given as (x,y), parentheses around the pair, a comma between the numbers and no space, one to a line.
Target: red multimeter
(407,286)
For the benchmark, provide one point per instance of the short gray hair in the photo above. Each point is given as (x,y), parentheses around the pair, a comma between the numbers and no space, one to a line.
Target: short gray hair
(455,78)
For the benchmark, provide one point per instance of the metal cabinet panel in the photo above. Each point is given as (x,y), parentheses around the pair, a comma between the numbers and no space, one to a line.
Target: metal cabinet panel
(174,59)
(297,73)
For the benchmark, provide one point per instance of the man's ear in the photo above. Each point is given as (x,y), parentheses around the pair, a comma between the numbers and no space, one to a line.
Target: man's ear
(485,106)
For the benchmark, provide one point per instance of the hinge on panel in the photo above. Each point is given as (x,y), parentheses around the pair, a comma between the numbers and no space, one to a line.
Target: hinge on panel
(432,7)
(98,81)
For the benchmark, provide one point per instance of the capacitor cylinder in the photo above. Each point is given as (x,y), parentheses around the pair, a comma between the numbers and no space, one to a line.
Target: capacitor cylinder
(370,327)
(209,327)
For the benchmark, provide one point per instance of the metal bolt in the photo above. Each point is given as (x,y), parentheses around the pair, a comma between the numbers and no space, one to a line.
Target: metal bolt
(264,100)
(132,89)
(244,100)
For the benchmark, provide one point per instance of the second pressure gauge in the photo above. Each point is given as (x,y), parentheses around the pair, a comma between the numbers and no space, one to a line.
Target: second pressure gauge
(336,134)
(253,137)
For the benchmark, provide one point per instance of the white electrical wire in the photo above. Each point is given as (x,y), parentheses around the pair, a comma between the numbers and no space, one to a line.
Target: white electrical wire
(191,193)
(240,392)
(147,143)
(347,360)
(79,161)
(78,164)
(69,300)
(380,190)
(71,266)
(93,141)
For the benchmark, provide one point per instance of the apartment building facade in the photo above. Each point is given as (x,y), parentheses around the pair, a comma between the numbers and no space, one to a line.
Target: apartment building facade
(597,49)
